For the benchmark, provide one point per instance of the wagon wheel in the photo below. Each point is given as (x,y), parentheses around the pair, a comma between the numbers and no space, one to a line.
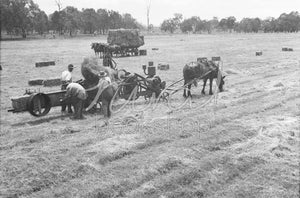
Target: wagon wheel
(39,104)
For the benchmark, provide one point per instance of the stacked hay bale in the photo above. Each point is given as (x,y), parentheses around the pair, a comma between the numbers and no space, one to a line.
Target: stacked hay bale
(37,81)
(52,82)
(125,38)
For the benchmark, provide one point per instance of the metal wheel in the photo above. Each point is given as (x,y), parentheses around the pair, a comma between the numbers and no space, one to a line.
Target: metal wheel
(39,104)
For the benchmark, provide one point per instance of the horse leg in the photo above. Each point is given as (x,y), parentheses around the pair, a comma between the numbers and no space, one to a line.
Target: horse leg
(210,86)
(189,90)
(184,91)
(204,84)
(105,105)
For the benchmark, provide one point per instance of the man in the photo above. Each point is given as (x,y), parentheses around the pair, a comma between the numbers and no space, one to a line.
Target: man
(66,78)
(76,95)
(103,76)
(108,61)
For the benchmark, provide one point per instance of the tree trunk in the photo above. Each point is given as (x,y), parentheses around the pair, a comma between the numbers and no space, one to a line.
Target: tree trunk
(23,33)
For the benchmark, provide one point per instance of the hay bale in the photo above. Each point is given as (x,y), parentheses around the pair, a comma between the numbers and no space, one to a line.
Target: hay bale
(143,52)
(163,66)
(37,81)
(258,53)
(44,64)
(52,82)
(90,70)
(202,59)
(125,38)
(20,103)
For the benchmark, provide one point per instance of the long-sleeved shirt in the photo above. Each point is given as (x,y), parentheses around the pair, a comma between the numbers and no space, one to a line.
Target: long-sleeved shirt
(66,76)
(76,90)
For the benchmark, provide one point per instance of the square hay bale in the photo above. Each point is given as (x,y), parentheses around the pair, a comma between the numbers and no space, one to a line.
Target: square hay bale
(52,82)
(163,66)
(143,52)
(44,64)
(37,81)
(258,53)
(202,59)
(216,58)
(20,103)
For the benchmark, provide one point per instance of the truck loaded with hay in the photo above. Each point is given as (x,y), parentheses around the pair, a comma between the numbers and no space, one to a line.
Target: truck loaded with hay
(121,43)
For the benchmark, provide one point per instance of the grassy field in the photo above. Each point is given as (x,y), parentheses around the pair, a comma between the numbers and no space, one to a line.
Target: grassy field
(243,142)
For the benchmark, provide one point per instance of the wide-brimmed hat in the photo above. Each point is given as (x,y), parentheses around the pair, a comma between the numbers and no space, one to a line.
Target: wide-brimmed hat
(102,74)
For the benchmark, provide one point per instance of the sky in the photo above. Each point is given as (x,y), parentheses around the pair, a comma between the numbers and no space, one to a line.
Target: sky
(164,9)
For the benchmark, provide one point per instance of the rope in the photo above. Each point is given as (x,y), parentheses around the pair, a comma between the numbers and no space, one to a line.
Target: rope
(100,90)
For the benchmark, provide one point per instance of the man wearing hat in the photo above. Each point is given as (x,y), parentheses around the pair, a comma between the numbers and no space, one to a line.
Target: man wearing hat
(103,76)
(66,78)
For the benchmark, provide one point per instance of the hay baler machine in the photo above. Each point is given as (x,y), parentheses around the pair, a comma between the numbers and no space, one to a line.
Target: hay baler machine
(36,103)
(135,85)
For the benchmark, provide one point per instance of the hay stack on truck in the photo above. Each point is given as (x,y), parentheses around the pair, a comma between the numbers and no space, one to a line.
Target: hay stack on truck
(128,41)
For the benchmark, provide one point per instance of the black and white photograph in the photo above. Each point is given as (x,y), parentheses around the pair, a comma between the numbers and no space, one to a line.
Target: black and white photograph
(150,99)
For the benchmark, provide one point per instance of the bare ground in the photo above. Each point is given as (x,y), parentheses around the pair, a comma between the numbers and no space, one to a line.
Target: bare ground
(243,142)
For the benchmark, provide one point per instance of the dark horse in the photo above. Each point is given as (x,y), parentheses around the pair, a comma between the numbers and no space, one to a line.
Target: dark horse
(207,70)
(105,97)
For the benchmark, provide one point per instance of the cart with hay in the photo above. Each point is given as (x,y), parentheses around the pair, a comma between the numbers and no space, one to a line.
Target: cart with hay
(121,43)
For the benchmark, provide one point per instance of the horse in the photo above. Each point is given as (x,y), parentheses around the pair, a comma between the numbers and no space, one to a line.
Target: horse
(98,48)
(105,97)
(90,70)
(205,70)
(213,74)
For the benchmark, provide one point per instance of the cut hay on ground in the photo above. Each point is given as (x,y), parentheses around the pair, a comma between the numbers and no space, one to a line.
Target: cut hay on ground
(125,38)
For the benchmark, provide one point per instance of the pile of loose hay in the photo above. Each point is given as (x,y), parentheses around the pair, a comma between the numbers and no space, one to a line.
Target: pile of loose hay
(90,70)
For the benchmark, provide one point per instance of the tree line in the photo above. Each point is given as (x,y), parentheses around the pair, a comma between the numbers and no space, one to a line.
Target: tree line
(23,17)
(284,23)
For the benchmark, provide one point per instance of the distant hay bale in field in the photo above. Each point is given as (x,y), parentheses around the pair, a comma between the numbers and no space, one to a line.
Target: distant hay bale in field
(43,64)
(125,38)
(143,52)
(286,49)
(258,53)
(52,82)
(37,81)
(163,66)
(90,70)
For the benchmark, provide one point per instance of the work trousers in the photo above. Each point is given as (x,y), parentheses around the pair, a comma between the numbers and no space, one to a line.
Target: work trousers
(63,106)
